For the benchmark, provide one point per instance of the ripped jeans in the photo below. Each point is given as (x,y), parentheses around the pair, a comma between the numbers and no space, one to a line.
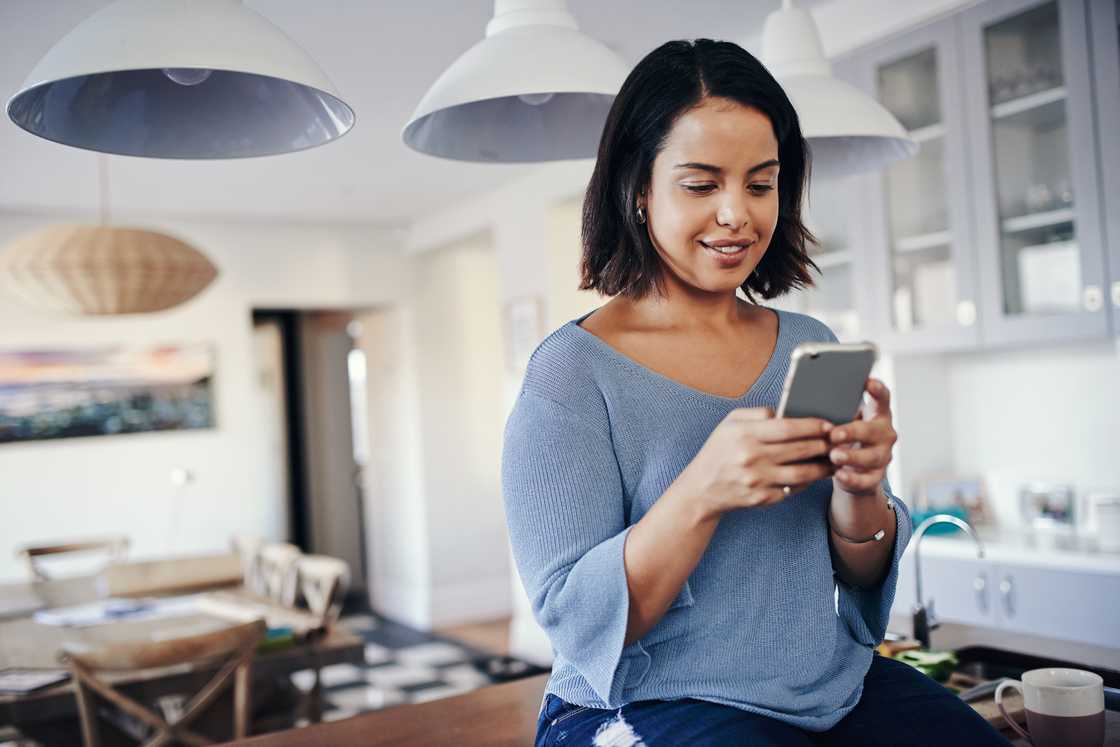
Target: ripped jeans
(899,706)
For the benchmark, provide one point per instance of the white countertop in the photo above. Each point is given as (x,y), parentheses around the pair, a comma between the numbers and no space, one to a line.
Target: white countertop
(1024,547)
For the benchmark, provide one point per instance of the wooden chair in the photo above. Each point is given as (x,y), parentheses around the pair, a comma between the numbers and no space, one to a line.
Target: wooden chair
(235,645)
(323,582)
(248,549)
(277,563)
(115,546)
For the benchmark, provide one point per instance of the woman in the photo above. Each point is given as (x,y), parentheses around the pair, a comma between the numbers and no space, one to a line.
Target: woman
(707,573)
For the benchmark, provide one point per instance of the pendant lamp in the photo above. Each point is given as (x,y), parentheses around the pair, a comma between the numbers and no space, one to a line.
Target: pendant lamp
(180,79)
(103,269)
(848,131)
(535,89)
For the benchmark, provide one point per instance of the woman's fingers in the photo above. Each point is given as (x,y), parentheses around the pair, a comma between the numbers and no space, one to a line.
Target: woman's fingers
(798,475)
(873,457)
(857,481)
(795,451)
(865,431)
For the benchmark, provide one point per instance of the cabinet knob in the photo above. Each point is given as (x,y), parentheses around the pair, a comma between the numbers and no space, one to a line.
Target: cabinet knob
(966,313)
(1116,293)
(1093,298)
(979,584)
(1005,590)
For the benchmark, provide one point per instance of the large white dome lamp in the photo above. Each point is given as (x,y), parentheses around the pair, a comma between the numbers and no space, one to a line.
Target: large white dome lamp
(535,89)
(180,79)
(848,131)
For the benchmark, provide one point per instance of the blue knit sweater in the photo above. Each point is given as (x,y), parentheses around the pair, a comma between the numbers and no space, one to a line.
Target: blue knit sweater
(761,624)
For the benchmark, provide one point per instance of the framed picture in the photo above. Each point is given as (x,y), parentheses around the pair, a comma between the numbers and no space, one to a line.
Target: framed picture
(949,491)
(523,319)
(104,391)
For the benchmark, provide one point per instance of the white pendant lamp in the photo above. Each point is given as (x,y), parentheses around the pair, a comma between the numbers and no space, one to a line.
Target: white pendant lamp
(848,131)
(535,89)
(180,79)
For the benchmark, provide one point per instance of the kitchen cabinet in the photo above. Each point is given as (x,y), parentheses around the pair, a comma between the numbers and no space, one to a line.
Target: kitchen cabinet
(1033,168)
(993,234)
(832,210)
(918,237)
(1005,593)
(1079,606)
(1104,23)
(959,587)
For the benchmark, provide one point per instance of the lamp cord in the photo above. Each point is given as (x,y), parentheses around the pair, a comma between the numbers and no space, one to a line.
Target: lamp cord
(103,188)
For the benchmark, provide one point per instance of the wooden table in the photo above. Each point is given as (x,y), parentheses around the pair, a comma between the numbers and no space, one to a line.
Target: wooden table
(494,716)
(29,644)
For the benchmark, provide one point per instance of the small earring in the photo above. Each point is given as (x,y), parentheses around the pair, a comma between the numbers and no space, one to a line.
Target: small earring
(641,215)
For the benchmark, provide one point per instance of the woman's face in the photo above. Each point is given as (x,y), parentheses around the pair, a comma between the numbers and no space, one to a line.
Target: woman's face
(712,201)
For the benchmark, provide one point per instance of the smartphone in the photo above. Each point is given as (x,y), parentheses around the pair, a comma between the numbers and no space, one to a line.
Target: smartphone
(826,380)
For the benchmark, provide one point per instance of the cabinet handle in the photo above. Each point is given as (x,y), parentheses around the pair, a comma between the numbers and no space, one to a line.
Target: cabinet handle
(966,313)
(980,584)
(1116,293)
(1006,589)
(1093,298)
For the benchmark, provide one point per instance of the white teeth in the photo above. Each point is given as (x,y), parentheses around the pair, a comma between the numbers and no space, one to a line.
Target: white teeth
(727,249)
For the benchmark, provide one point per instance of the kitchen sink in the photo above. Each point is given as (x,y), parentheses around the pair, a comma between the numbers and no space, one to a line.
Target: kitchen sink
(986,663)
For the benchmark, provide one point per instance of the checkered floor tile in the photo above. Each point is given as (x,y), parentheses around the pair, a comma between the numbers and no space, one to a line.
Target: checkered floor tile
(403,665)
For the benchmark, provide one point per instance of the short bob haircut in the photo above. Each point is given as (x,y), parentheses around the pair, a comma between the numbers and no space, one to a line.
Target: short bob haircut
(618,256)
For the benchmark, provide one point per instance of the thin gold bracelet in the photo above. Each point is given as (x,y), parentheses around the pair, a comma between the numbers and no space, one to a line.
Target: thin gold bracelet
(873,538)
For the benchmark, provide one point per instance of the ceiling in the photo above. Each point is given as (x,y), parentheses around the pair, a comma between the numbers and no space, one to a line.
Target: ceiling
(381,56)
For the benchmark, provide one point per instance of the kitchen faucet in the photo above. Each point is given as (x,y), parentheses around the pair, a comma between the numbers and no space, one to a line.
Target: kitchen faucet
(921,615)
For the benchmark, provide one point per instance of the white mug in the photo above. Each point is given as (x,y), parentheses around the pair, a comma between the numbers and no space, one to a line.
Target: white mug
(1065,707)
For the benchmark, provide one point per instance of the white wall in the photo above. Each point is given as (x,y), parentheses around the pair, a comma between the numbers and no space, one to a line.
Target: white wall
(75,487)
(1050,414)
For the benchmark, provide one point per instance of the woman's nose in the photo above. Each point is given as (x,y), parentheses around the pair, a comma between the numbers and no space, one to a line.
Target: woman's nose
(731,216)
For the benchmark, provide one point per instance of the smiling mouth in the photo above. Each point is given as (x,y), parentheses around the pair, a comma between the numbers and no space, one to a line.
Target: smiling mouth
(730,249)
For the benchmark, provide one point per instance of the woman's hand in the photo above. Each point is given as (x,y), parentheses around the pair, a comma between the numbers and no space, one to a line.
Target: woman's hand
(862,449)
(750,456)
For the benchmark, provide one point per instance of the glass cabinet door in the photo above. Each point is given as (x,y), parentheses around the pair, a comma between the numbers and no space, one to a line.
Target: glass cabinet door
(923,288)
(828,215)
(920,225)
(1104,17)
(1043,224)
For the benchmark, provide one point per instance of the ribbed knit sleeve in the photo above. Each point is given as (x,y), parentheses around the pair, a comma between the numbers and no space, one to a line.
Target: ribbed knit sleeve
(867,611)
(565,509)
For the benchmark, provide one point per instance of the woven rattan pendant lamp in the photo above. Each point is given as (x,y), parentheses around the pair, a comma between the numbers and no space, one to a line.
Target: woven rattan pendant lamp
(100,270)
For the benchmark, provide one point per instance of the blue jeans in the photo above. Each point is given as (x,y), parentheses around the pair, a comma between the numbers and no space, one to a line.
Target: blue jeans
(899,706)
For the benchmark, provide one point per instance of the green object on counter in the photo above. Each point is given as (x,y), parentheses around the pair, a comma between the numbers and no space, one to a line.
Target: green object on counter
(943,528)
(936,664)
(276,639)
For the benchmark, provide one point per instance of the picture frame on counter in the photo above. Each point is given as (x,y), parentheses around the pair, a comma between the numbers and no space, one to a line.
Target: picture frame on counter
(968,492)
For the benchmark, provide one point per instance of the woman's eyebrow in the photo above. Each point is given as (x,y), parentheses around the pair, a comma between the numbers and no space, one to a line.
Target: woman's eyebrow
(717,170)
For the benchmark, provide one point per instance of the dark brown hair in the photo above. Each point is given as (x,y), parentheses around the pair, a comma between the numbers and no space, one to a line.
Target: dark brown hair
(618,256)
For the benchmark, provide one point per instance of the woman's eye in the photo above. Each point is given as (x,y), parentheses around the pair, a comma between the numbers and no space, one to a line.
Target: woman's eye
(760,189)
(700,188)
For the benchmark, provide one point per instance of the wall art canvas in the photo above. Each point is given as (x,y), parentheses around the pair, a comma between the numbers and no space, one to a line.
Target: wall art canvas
(102,391)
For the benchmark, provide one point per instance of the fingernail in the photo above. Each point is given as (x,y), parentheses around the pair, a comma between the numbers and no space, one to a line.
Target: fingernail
(837,455)
(840,434)
(826,427)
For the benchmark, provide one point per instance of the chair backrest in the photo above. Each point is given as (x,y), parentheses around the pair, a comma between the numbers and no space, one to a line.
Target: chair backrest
(277,562)
(172,575)
(248,548)
(114,546)
(233,647)
(323,581)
